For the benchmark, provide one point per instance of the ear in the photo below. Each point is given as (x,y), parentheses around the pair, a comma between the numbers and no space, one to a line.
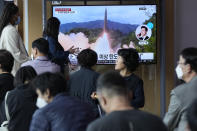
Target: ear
(36,51)
(104,100)
(47,94)
(188,68)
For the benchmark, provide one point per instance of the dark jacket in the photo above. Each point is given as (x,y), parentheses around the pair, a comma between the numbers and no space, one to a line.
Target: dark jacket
(6,84)
(135,84)
(56,51)
(128,120)
(21,106)
(64,113)
(82,83)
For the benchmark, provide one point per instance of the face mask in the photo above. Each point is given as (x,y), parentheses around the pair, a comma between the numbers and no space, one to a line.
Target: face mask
(41,102)
(18,20)
(179,72)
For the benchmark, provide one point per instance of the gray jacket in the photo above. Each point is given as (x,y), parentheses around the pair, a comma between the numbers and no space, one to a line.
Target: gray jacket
(181,97)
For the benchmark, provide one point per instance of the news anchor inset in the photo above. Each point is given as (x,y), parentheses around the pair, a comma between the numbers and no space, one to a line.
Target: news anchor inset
(143,32)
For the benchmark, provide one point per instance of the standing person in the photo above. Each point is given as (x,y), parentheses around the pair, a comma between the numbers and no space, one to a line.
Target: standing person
(57,53)
(82,83)
(183,95)
(58,111)
(113,96)
(9,36)
(41,62)
(6,78)
(21,101)
(126,64)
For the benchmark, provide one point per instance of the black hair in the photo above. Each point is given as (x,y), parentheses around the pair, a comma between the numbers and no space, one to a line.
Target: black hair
(87,58)
(6,60)
(52,28)
(192,116)
(9,11)
(190,56)
(113,84)
(146,29)
(130,58)
(54,82)
(42,45)
(23,75)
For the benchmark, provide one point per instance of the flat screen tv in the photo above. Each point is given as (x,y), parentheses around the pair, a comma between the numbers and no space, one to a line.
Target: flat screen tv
(106,29)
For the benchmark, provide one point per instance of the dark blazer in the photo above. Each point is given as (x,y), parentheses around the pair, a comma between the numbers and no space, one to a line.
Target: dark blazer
(82,83)
(135,84)
(21,105)
(64,113)
(6,84)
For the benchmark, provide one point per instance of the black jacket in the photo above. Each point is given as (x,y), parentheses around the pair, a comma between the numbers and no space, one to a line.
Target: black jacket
(135,84)
(6,84)
(21,106)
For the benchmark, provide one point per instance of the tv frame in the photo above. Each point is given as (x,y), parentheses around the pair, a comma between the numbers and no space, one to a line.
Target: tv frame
(157,25)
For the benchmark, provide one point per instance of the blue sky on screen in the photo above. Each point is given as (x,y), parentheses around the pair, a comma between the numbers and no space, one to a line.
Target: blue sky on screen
(123,14)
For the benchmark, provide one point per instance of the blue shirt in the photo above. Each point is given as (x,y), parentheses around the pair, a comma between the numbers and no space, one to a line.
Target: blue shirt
(42,64)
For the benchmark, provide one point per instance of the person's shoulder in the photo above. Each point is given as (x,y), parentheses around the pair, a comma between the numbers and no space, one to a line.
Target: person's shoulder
(99,124)
(28,63)
(147,117)
(10,28)
(135,77)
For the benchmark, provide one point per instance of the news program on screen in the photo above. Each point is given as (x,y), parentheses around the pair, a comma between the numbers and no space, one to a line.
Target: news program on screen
(106,29)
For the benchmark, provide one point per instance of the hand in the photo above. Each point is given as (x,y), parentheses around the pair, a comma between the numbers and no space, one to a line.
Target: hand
(94,95)
(73,50)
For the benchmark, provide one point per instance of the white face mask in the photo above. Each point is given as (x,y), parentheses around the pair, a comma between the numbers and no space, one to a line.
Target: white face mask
(179,72)
(41,102)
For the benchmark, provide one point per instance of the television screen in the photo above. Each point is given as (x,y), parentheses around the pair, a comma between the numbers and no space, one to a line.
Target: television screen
(106,29)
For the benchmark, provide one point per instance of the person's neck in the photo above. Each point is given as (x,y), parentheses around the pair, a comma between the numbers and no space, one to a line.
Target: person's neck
(40,55)
(125,73)
(190,77)
(119,104)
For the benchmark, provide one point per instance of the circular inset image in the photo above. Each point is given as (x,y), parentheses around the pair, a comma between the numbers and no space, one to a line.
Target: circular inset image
(143,32)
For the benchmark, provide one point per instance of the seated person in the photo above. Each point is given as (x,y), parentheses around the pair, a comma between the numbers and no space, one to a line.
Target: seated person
(121,116)
(143,34)
(41,62)
(60,111)
(82,83)
(126,64)
(21,101)
(192,117)
(6,78)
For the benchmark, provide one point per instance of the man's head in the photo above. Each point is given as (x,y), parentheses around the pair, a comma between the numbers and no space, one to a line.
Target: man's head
(6,61)
(192,116)
(40,47)
(48,85)
(111,87)
(144,30)
(127,58)
(187,64)
(87,58)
